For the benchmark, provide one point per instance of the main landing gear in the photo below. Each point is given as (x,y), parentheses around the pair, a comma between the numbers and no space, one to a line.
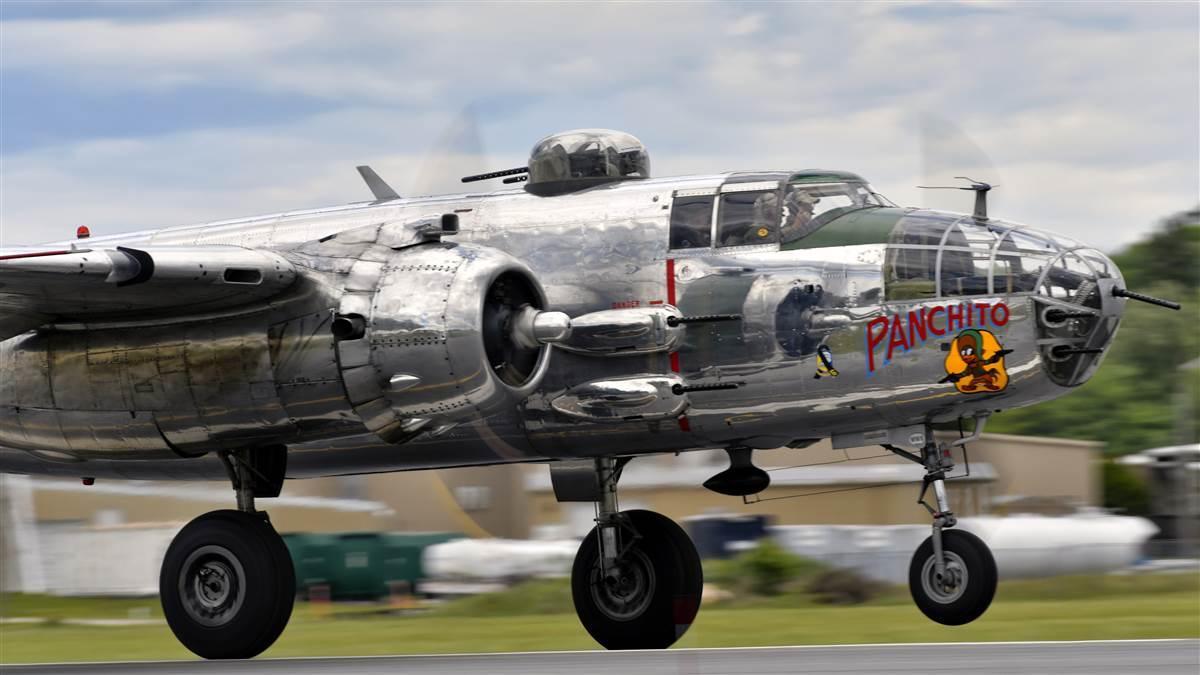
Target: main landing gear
(952,576)
(227,582)
(636,581)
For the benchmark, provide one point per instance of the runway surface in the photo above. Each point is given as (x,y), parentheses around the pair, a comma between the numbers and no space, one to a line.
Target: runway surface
(1144,657)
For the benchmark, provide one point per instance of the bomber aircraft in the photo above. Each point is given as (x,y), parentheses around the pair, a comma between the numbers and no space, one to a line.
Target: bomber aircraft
(584,315)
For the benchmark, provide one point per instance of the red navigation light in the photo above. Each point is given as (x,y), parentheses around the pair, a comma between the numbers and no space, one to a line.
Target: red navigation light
(82,232)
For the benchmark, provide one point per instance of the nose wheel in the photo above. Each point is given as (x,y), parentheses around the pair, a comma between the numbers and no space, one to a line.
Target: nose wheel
(964,589)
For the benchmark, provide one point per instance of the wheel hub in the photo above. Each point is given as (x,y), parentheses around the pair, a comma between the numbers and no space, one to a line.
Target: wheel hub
(212,585)
(946,588)
(623,592)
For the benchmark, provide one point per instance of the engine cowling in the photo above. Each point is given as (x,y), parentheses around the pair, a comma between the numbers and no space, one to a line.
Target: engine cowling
(440,333)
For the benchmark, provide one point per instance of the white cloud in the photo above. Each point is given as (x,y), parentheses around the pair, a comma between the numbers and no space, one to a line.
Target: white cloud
(747,24)
(163,46)
(1088,112)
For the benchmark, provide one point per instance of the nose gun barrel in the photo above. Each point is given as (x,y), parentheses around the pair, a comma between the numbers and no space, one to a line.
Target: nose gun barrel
(1126,293)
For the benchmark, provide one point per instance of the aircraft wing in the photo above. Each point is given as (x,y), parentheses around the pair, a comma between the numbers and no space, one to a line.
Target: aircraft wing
(119,283)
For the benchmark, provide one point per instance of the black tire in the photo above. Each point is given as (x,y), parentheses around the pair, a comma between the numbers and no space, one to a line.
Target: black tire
(961,603)
(663,593)
(247,607)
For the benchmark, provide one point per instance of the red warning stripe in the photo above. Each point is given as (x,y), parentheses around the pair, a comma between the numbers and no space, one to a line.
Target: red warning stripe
(670,281)
(684,425)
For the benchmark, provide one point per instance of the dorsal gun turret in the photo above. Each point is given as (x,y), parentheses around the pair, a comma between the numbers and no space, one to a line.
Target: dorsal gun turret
(575,160)
(571,161)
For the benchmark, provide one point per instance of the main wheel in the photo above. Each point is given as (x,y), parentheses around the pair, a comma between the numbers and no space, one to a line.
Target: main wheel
(650,597)
(227,585)
(965,591)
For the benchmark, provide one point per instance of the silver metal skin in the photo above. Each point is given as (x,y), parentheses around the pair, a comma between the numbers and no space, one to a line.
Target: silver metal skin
(532,328)
(454,345)
(623,332)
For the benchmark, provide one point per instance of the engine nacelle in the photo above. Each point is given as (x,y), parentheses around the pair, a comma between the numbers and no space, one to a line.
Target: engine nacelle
(441,333)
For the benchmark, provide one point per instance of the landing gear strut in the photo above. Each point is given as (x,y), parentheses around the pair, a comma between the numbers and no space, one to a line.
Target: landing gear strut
(636,581)
(227,582)
(952,576)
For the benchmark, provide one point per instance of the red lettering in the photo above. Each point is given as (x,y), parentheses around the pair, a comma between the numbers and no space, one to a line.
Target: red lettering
(954,318)
(999,318)
(983,317)
(874,339)
(933,326)
(897,339)
(916,326)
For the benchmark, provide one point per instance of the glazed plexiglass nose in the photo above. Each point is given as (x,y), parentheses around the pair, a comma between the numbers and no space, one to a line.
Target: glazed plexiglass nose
(933,254)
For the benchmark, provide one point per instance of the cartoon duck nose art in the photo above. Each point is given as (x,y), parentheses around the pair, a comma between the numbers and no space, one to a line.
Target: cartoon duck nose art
(975,363)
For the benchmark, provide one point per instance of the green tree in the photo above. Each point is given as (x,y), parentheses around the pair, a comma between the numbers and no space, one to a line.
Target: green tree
(1124,491)
(768,567)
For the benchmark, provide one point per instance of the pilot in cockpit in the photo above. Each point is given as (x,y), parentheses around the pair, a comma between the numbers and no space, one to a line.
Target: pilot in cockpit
(797,216)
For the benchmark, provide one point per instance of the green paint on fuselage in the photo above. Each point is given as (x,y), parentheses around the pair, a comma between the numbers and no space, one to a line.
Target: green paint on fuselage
(825,176)
(864,226)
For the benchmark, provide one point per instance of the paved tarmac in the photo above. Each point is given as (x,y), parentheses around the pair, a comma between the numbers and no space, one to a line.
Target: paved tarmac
(1143,657)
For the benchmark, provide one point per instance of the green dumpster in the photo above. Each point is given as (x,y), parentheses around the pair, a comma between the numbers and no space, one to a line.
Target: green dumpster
(315,557)
(360,572)
(361,565)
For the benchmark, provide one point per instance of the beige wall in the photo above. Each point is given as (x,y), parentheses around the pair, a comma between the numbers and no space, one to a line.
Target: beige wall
(74,505)
(417,501)
(426,501)
(1043,467)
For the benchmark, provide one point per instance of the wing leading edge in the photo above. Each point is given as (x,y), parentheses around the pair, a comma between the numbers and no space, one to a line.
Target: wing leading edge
(118,283)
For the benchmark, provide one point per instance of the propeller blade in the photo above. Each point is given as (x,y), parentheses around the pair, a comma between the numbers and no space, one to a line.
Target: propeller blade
(457,152)
(946,153)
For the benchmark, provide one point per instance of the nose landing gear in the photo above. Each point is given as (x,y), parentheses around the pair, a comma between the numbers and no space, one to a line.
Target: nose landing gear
(952,576)
(636,581)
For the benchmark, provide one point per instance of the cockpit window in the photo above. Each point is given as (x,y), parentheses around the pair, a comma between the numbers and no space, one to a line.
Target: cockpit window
(809,206)
(691,220)
(748,218)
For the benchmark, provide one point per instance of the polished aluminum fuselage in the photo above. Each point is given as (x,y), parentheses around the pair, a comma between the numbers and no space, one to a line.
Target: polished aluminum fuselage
(151,398)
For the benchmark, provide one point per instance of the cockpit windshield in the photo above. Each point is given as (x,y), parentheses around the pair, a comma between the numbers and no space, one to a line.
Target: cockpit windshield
(808,206)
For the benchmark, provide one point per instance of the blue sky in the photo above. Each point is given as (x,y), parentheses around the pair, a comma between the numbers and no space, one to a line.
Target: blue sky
(123,115)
